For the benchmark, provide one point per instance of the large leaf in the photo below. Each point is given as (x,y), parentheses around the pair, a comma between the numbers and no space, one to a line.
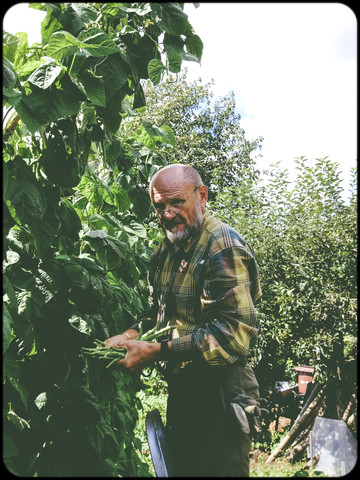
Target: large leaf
(48,284)
(109,250)
(173,19)
(194,46)
(76,274)
(136,229)
(62,44)
(45,106)
(174,59)
(9,77)
(25,193)
(45,75)
(70,221)
(121,198)
(93,87)
(44,231)
(114,72)
(155,70)
(65,156)
(96,43)
(7,322)
(10,45)
(86,12)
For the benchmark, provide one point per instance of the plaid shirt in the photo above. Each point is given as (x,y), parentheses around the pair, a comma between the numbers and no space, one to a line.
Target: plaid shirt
(207,289)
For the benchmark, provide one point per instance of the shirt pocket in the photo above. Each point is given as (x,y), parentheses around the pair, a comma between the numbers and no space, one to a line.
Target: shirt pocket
(184,308)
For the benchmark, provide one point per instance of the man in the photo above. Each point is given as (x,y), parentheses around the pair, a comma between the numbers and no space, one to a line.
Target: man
(205,282)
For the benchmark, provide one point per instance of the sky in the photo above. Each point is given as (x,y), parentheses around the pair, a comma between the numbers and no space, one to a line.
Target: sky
(292,67)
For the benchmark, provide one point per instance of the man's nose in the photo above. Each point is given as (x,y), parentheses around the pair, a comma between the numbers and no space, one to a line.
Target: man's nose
(168,214)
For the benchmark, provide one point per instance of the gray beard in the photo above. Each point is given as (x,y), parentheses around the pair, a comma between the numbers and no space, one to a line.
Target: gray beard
(179,238)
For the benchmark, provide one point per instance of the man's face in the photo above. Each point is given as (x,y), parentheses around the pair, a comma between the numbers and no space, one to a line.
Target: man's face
(169,194)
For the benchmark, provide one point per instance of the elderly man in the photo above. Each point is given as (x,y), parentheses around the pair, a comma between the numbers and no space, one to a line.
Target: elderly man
(205,283)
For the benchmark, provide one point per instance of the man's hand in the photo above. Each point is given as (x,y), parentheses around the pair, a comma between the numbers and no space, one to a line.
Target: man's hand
(118,340)
(139,354)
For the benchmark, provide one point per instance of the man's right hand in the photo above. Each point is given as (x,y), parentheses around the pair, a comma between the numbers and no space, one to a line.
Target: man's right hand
(117,340)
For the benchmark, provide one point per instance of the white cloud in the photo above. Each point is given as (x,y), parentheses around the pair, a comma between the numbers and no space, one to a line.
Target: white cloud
(293,70)
(21,18)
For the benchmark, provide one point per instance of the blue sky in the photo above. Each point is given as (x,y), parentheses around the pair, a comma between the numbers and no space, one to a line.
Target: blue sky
(292,66)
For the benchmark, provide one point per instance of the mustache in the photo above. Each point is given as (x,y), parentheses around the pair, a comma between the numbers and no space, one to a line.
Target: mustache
(169,224)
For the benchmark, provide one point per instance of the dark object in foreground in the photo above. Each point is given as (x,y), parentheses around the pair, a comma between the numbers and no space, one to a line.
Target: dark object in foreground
(157,442)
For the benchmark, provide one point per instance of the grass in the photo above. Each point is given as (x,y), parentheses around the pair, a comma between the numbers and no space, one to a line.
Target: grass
(280,467)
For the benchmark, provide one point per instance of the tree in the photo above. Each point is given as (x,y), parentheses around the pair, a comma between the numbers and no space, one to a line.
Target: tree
(76,251)
(305,243)
(208,131)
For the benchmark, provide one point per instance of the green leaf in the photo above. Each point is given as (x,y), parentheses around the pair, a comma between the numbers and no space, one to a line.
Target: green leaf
(20,423)
(170,137)
(174,59)
(83,324)
(76,274)
(194,46)
(173,19)
(9,296)
(121,197)
(10,45)
(10,449)
(7,322)
(93,87)
(24,192)
(65,156)
(70,19)
(173,43)
(114,72)
(96,43)
(136,229)
(70,221)
(9,77)
(29,67)
(140,204)
(21,53)
(155,70)
(97,234)
(62,44)
(41,400)
(39,107)
(86,12)
(45,75)
(48,283)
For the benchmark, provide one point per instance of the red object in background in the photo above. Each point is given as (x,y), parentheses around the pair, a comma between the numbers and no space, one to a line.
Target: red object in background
(305,376)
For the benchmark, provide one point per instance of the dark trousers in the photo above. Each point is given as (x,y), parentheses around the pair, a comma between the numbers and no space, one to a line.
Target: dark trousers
(204,438)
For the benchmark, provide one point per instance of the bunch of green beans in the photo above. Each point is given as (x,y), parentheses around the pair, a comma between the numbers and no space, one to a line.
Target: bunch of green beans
(115,354)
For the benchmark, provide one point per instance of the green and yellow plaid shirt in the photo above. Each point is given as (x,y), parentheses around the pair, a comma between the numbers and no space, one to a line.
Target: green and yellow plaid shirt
(207,289)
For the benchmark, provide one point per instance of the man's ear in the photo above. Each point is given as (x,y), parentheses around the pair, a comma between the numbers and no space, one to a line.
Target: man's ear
(203,194)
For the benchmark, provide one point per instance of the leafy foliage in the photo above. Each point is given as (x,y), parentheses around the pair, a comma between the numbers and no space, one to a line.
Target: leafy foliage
(208,131)
(305,241)
(76,251)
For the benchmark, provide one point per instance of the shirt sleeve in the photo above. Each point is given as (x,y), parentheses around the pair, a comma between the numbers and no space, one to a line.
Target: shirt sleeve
(229,325)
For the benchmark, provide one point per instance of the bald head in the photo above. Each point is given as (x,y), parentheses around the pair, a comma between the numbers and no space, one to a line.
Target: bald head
(179,198)
(175,174)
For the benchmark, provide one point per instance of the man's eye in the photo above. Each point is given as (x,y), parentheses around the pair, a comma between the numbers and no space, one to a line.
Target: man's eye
(159,206)
(177,203)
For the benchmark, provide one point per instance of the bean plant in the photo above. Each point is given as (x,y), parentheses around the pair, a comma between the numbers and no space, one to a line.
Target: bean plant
(76,233)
